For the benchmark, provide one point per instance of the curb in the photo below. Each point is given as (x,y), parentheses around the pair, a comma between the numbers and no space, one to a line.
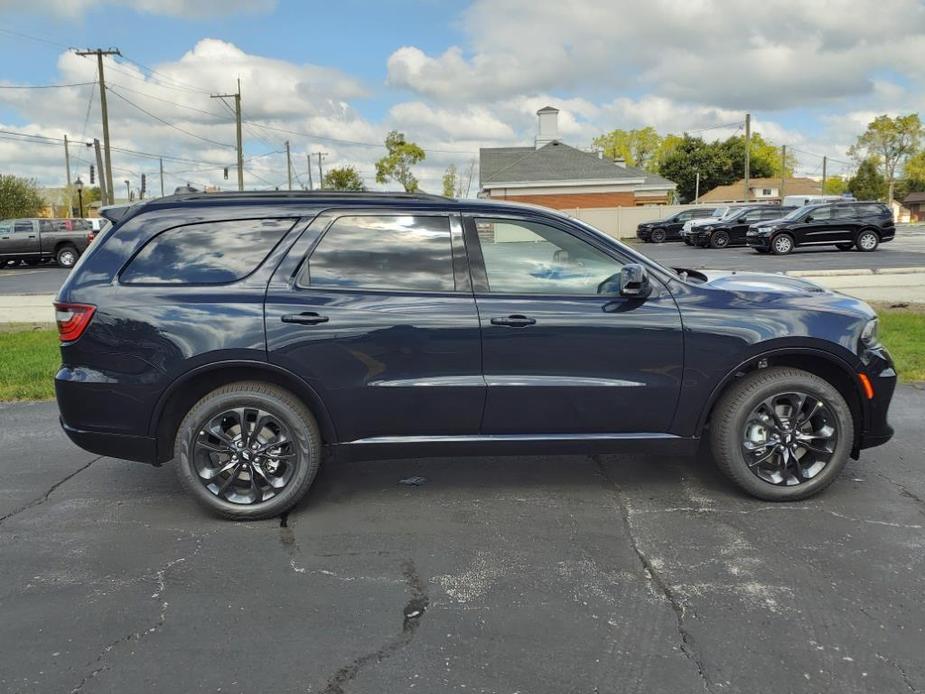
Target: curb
(857,272)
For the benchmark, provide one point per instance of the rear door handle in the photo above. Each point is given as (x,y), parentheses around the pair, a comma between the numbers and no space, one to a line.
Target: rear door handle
(304,318)
(514,321)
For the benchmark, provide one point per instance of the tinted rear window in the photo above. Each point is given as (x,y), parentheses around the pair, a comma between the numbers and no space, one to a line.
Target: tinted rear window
(400,252)
(868,210)
(207,253)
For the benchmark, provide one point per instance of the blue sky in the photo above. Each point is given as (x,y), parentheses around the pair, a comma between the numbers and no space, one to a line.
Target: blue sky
(453,76)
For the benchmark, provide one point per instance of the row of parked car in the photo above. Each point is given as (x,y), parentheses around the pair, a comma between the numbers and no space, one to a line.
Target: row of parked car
(777,228)
(36,240)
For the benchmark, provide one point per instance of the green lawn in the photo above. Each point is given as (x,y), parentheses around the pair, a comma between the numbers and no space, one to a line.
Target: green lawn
(29,356)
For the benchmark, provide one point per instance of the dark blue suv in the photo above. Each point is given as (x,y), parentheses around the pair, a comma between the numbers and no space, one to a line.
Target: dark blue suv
(246,335)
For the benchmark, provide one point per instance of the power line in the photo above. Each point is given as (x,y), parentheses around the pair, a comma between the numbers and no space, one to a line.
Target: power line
(214,114)
(167,123)
(44,86)
(33,38)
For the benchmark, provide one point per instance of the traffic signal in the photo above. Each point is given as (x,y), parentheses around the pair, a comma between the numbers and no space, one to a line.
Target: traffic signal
(143,186)
(92,171)
(226,173)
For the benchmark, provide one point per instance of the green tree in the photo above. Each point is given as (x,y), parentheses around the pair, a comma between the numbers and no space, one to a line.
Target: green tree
(343,178)
(637,147)
(914,173)
(451,183)
(396,165)
(690,156)
(868,183)
(889,142)
(19,197)
(835,185)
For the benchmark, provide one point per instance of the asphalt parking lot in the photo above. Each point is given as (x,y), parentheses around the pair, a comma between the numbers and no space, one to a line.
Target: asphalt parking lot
(528,574)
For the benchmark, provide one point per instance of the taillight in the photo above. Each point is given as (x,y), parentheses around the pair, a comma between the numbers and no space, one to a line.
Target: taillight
(72,320)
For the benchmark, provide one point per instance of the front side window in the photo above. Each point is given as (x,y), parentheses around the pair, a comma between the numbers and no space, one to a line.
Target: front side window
(524,257)
(207,253)
(391,252)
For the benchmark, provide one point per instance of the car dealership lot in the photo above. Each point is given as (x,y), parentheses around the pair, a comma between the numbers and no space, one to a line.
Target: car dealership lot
(532,574)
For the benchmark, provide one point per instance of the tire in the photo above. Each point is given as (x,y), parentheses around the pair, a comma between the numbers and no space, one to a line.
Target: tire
(845,246)
(782,244)
(733,417)
(867,240)
(719,239)
(195,451)
(658,236)
(66,256)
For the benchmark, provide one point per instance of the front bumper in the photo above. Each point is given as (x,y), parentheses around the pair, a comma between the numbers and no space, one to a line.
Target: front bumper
(878,368)
(643,233)
(758,240)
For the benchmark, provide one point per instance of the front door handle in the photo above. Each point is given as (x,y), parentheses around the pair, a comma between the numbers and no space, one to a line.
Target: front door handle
(514,321)
(304,318)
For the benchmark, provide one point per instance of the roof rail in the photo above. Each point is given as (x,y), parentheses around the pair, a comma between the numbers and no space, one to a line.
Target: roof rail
(301,195)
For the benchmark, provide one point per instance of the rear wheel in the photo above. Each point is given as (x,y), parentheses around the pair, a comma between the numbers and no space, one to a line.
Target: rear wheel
(658,236)
(782,244)
(719,239)
(868,240)
(248,451)
(66,256)
(782,434)
(844,246)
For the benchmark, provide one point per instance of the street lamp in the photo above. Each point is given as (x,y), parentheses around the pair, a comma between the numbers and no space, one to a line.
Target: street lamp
(80,194)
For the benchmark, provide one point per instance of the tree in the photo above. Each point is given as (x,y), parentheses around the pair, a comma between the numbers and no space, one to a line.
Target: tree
(914,173)
(637,147)
(451,184)
(868,183)
(835,185)
(343,178)
(396,165)
(889,142)
(19,197)
(690,156)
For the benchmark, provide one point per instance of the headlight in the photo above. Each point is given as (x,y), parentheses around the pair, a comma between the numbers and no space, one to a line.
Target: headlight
(870,335)
(708,228)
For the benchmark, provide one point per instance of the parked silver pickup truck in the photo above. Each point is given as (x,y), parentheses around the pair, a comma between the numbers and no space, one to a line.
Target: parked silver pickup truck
(35,240)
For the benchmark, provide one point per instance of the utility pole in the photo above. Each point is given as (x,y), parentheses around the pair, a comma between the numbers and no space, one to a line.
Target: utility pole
(320,155)
(288,165)
(99,53)
(237,117)
(748,152)
(825,161)
(783,170)
(308,160)
(67,162)
(162,176)
(697,187)
(105,196)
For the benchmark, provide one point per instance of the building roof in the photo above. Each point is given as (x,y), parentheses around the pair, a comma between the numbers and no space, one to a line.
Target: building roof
(556,162)
(914,198)
(734,192)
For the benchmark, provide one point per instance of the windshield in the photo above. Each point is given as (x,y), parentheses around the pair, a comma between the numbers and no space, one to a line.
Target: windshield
(797,213)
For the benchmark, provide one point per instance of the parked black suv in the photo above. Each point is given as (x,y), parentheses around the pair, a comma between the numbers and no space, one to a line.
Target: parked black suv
(845,225)
(669,229)
(731,230)
(246,334)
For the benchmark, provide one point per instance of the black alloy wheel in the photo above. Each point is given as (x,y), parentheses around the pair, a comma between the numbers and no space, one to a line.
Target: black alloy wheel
(719,239)
(657,236)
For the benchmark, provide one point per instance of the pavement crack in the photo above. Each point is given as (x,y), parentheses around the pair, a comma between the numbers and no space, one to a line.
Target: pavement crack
(904,491)
(39,500)
(899,668)
(414,609)
(102,662)
(662,586)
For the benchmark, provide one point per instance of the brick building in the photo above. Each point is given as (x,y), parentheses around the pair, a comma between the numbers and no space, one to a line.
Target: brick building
(554,174)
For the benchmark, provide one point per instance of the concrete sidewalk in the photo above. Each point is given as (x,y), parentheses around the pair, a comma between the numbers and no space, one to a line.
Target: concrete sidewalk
(906,284)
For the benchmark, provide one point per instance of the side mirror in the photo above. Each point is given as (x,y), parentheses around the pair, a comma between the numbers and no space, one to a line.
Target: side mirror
(634,281)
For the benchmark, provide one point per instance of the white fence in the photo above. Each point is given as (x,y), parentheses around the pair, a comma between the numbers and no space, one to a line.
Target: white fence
(621,222)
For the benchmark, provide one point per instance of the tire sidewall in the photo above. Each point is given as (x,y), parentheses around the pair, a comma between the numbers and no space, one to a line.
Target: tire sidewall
(719,239)
(208,408)
(811,385)
(657,236)
(63,254)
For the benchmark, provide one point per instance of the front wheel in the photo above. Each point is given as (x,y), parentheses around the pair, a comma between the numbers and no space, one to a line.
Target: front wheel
(248,451)
(782,244)
(868,241)
(658,236)
(719,239)
(782,434)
